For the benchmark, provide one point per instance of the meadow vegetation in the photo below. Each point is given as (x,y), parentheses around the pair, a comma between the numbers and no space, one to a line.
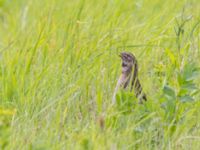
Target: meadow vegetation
(59,66)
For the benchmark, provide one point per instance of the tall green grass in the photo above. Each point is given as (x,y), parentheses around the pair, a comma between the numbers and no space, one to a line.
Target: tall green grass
(59,67)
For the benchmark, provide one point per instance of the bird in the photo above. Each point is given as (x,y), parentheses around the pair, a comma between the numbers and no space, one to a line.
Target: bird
(129,77)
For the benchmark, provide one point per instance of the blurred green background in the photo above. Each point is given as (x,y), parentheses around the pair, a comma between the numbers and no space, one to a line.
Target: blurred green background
(59,66)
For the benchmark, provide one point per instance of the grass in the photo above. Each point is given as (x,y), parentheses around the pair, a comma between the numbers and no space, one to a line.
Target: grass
(59,67)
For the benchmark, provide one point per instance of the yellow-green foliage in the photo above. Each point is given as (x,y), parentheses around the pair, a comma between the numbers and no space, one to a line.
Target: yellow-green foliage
(59,66)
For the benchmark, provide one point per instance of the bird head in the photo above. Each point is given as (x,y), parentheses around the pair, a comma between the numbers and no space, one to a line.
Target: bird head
(127,61)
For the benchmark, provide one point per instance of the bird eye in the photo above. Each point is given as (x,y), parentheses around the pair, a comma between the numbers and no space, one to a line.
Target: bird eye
(124,64)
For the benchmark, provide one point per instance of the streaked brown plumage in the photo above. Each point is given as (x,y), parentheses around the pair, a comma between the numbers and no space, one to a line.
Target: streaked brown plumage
(128,76)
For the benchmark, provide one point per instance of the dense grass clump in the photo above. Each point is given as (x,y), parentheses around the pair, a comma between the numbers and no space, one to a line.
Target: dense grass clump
(59,67)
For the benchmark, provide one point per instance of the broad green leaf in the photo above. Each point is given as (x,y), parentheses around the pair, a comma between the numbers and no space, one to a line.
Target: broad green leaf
(169,91)
(186,98)
(182,92)
(189,86)
(193,75)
